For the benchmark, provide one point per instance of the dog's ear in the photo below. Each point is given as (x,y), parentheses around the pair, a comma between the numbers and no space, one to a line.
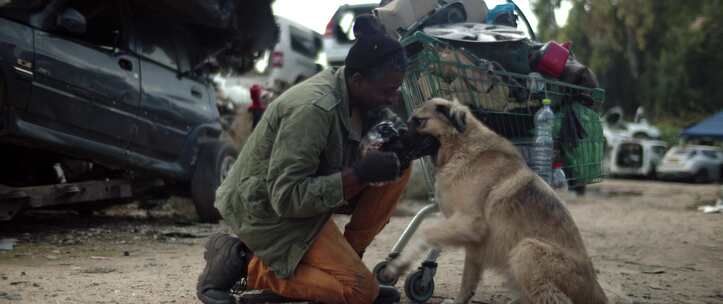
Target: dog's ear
(457,118)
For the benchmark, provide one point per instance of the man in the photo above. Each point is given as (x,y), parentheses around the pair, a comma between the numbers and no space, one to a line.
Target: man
(300,164)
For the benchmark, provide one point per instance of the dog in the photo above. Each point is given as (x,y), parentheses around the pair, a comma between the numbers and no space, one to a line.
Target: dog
(505,217)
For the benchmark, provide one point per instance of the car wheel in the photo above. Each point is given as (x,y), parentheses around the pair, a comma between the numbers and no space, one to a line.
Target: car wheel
(213,164)
(653,174)
(701,176)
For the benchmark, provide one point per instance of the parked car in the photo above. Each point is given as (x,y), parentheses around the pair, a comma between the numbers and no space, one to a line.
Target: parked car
(636,157)
(294,57)
(99,105)
(339,36)
(695,163)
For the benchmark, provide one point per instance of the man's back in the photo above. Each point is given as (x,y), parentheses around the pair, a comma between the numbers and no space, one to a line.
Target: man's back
(267,197)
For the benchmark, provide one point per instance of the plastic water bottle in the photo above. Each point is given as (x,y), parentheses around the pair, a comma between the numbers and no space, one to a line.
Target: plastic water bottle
(542,149)
(559,180)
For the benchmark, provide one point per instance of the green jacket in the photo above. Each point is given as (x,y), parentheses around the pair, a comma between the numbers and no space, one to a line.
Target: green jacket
(286,181)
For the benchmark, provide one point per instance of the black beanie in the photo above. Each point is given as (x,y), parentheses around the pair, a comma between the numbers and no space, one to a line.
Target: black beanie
(367,24)
(372,50)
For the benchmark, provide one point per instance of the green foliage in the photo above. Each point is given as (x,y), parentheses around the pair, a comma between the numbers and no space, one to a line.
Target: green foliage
(666,55)
(669,133)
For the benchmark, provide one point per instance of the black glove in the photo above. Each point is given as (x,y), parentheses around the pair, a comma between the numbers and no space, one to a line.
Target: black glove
(377,167)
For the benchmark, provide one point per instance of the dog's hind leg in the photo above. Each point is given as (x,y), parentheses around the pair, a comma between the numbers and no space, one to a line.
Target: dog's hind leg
(453,231)
(537,266)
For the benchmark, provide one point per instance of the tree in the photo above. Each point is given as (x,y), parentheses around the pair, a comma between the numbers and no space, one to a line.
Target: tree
(662,54)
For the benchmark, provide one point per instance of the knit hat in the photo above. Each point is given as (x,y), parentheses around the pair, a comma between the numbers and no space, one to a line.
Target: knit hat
(367,24)
(371,51)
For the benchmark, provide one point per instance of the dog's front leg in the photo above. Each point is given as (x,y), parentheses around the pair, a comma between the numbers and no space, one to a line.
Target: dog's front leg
(471,276)
(454,231)
(401,264)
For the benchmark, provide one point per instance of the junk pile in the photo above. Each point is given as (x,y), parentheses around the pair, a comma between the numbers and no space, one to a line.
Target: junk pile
(459,49)
(232,33)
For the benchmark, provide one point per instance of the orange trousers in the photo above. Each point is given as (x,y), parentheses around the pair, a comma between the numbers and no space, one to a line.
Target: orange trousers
(331,271)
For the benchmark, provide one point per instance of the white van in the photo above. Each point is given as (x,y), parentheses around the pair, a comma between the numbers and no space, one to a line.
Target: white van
(294,56)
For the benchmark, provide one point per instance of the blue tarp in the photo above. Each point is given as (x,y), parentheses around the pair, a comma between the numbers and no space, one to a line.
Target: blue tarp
(711,127)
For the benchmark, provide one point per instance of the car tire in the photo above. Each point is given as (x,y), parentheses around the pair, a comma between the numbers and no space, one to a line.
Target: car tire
(653,173)
(701,176)
(215,159)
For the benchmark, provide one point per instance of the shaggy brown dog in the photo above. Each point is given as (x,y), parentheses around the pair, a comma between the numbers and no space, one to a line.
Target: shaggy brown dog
(506,217)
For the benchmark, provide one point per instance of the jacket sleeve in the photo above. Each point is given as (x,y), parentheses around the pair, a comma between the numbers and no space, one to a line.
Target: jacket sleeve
(294,190)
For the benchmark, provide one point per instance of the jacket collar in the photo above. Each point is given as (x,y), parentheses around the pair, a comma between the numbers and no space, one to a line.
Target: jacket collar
(344,108)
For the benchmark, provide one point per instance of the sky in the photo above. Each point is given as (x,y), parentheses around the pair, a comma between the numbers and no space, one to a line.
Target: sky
(318,16)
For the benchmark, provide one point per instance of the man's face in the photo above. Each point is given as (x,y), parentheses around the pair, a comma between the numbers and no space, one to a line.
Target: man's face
(384,92)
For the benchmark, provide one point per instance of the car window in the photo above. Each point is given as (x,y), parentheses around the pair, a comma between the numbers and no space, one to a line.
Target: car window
(104,23)
(710,154)
(155,42)
(303,42)
(680,151)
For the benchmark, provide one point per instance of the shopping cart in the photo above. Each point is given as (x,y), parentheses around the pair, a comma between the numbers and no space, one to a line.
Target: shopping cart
(506,103)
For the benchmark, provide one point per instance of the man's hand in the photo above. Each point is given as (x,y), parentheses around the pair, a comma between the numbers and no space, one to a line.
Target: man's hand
(377,167)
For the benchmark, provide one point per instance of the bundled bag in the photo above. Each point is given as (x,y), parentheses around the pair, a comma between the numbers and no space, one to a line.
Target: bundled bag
(405,16)
(502,14)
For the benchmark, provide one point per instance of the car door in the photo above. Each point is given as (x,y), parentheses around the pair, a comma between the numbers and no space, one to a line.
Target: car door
(176,102)
(88,85)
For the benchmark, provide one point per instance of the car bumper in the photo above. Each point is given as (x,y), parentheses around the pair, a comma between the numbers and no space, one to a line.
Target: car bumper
(674,174)
(629,171)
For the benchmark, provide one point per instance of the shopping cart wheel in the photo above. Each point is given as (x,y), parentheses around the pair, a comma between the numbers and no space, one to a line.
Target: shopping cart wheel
(419,286)
(378,274)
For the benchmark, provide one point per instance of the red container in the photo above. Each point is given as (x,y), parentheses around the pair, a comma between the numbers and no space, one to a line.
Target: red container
(553,59)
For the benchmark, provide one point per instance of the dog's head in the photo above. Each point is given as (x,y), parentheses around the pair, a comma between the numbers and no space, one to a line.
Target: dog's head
(440,118)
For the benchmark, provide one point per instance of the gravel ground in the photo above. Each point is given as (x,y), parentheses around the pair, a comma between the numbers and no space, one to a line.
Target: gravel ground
(647,239)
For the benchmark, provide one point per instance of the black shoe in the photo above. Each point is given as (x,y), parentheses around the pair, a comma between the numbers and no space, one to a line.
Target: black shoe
(387,295)
(226,262)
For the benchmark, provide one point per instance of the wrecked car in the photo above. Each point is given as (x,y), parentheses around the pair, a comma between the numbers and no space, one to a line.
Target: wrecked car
(636,157)
(110,101)
(616,128)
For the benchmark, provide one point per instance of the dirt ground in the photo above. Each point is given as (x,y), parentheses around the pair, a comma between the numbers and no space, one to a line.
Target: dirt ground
(648,241)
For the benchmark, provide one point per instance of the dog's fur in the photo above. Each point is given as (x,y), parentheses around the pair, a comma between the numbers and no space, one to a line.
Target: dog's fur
(505,216)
